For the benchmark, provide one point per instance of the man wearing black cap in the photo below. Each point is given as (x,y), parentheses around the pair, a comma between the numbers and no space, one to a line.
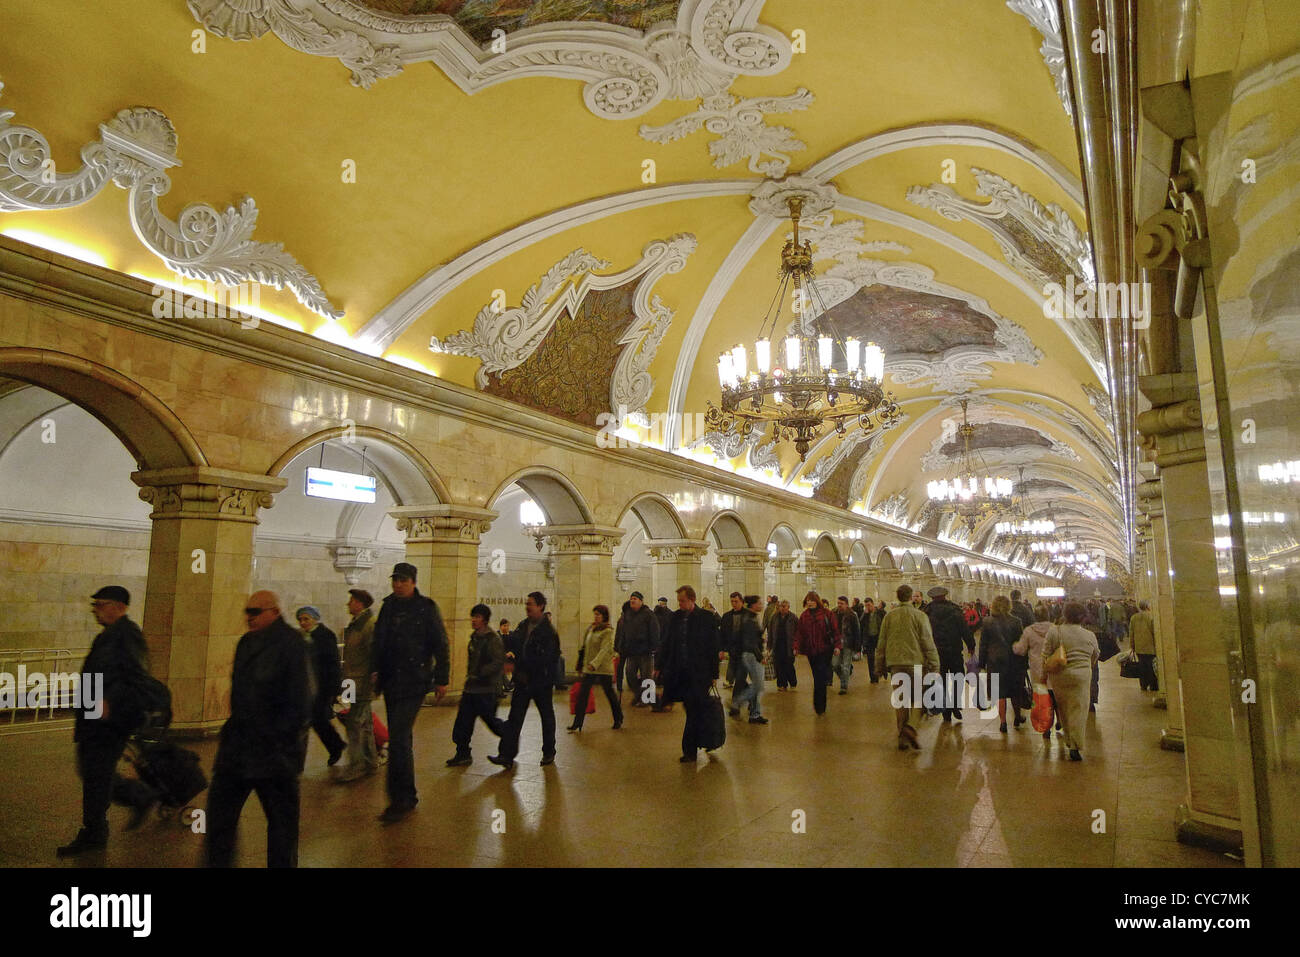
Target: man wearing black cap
(533,649)
(950,630)
(409,636)
(638,633)
(120,655)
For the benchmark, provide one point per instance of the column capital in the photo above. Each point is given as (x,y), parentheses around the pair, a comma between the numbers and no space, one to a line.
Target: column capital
(583,539)
(352,560)
(742,557)
(202,492)
(462,524)
(677,549)
(1172,429)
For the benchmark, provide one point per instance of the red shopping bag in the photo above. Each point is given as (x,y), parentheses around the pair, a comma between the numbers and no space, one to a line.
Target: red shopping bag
(1041,716)
(573,698)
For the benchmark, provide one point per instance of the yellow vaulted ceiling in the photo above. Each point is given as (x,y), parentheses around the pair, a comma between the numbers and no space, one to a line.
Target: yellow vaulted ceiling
(440,172)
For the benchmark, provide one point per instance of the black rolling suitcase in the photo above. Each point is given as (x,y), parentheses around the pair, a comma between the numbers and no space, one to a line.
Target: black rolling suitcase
(713,723)
(172,771)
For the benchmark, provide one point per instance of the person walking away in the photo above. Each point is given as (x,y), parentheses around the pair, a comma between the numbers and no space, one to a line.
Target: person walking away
(690,665)
(1071,685)
(327,679)
(751,660)
(638,634)
(780,642)
(1142,639)
(263,744)
(851,636)
(998,633)
(410,654)
(817,638)
(951,637)
(534,651)
(906,643)
(1021,609)
(358,665)
(1030,644)
(598,668)
(484,662)
(119,654)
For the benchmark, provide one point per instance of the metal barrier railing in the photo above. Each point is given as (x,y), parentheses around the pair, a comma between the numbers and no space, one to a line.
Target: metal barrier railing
(45,661)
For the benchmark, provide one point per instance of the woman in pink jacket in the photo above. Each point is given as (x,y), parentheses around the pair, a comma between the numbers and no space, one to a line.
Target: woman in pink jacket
(818,638)
(1031,643)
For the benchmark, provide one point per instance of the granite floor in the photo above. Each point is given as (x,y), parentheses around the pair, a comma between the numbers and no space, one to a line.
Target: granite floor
(972,797)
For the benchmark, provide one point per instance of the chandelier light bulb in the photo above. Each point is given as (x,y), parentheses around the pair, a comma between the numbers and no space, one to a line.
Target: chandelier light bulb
(724,369)
(738,358)
(852,349)
(763,355)
(873,362)
(824,353)
(792,356)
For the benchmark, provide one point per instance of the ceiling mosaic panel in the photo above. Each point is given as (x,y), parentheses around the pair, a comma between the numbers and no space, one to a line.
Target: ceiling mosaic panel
(905,322)
(479,18)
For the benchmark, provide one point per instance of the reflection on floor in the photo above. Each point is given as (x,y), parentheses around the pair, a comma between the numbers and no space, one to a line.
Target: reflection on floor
(972,797)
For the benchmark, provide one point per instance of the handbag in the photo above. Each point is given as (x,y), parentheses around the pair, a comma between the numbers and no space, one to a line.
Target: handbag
(573,698)
(1041,715)
(1129,666)
(1108,646)
(1056,660)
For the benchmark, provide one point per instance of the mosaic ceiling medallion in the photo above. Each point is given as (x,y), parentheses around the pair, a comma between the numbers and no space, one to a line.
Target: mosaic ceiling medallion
(905,322)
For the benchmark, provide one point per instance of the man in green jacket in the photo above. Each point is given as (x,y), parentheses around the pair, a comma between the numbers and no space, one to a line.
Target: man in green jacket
(358,665)
(1142,634)
(478,699)
(906,648)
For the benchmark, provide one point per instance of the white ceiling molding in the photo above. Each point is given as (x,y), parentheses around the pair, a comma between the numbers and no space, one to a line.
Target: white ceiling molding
(134,149)
(892,509)
(1045,16)
(625,72)
(503,339)
(742,134)
(1100,400)
(992,413)
(397,316)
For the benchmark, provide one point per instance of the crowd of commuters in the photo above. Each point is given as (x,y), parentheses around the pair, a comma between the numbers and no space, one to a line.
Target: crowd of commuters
(286,682)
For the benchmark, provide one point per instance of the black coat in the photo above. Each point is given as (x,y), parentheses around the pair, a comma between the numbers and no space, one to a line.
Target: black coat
(690,658)
(997,635)
(780,634)
(409,636)
(326,669)
(118,653)
(729,630)
(638,633)
(950,629)
(664,617)
(270,705)
(537,657)
(850,629)
(485,661)
(751,635)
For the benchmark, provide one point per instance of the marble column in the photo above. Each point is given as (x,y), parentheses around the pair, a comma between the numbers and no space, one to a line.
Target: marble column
(791,581)
(743,570)
(677,562)
(442,543)
(584,578)
(1211,813)
(200,575)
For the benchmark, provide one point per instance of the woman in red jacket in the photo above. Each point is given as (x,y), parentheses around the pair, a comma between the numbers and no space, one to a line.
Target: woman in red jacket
(818,638)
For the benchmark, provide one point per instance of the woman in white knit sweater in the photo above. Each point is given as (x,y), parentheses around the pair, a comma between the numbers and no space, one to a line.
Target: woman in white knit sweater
(597,668)
(1072,685)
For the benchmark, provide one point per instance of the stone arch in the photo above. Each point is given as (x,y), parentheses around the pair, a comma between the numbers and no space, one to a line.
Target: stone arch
(729,530)
(408,473)
(858,554)
(941,569)
(657,516)
(825,549)
(925,566)
(151,432)
(785,538)
(885,559)
(908,564)
(557,497)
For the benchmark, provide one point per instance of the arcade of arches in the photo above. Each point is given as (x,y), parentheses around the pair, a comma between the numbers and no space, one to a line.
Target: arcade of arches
(462,321)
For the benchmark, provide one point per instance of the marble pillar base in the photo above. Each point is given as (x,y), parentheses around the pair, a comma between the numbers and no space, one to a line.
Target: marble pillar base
(1194,830)
(1171,740)
(1160,701)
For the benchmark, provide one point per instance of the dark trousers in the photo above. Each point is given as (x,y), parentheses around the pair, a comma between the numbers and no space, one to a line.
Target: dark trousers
(402,713)
(952,666)
(323,724)
(1096,682)
(98,752)
(783,659)
(821,671)
(472,708)
(639,668)
(618,671)
(584,689)
(869,652)
(694,702)
(523,696)
(280,804)
(1148,676)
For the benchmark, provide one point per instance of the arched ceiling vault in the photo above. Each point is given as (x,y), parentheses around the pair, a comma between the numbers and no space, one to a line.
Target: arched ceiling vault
(563,209)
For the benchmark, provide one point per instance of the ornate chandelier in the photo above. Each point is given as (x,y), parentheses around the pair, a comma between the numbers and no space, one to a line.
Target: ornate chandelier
(825,381)
(968,494)
(1017,528)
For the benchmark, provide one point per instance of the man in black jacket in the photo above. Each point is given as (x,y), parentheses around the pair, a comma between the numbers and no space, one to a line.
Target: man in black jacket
(638,634)
(533,649)
(780,641)
(1022,609)
(729,638)
(851,630)
(327,675)
(690,665)
(117,660)
(409,638)
(749,646)
(950,633)
(264,743)
(871,619)
(478,699)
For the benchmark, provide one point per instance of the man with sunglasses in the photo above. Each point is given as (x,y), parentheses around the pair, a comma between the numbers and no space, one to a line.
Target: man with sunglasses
(264,743)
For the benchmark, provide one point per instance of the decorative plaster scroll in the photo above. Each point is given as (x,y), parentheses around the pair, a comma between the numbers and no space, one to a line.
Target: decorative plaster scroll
(352,560)
(1099,399)
(676,550)
(582,539)
(1044,15)
(421,528)
(504,340)
(134,149)
(626,75)
(1086,430)
(892,509)
(742,133)
(725,445)
(195,500)
(763,457)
